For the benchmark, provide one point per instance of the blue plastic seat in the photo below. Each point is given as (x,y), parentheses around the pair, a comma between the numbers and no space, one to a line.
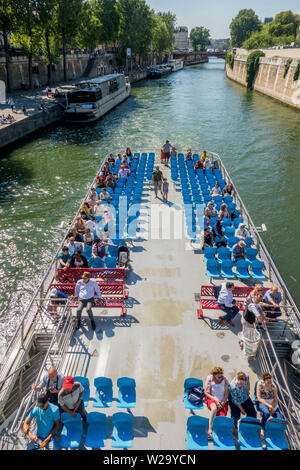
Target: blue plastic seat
(222,433)
(231,207)
(228,199)
(212,221)
(96,263)
(274,434)
(226,269)
(188,383)
(237,221)
(251,254)
(127,393)
(242,269)
(209,253)
(196,435)
(104,392)
(256,269)
(217,199)
(88,251)
(248,434)
(232,241)
(110,262)
(248,241)
(97,431)
(229,231)
(71,432)
(223,253)
(212,268)
(122,435)
(113,251)
(226,222)
(86,385)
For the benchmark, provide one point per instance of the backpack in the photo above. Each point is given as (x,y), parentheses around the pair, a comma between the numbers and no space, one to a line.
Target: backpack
(195,395)
(249,316)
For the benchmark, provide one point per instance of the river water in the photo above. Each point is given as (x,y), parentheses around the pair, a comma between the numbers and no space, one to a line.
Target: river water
(45,178)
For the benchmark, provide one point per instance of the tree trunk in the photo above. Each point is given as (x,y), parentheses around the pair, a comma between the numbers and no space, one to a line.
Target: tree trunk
(64,58)
(49,66)
(7,60)
(30,71)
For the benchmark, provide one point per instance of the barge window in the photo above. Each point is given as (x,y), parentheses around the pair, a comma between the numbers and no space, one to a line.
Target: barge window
(113,85)
(84,97)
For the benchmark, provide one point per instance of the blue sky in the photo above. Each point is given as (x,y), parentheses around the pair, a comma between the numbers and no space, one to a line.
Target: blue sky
(216,15)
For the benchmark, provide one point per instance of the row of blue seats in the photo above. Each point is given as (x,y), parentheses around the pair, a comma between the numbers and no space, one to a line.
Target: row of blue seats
(224,253)
(215,269)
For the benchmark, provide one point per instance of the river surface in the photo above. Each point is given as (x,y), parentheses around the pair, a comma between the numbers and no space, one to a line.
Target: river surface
(45,178)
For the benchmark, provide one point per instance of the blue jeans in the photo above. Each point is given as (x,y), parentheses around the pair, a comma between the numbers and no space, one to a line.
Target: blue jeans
(52,444)
(266,413)
(230,312)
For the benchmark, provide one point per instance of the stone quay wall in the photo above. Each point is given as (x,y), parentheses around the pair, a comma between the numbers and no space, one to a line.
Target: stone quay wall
(270,80)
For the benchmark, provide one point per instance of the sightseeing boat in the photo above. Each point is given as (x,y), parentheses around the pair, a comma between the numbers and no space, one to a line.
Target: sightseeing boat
(156,324)
(93,98)
(160,71)
(176,64)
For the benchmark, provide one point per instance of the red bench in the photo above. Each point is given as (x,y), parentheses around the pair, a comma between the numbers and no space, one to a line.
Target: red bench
(113,294)
(71,275)
(212,304)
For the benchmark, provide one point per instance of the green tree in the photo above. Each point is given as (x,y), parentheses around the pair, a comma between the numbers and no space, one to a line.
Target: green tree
(91,29)
(170,21)
(7,25)
(242,26)
(200,37)
(160,40)
(109,17)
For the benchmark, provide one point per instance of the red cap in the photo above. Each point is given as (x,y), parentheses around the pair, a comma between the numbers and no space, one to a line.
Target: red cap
(68,382)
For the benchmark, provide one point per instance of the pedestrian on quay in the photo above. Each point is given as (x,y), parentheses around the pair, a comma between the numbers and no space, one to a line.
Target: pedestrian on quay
(85,290)
(11,103)
(24,110)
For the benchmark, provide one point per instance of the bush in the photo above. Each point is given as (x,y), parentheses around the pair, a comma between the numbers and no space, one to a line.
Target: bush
(230,59)
(252,67)
(286,67)
(297,71)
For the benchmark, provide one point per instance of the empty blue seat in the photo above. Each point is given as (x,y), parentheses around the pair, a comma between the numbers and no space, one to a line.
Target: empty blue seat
(226,269)
(97,431)
(196,435)
(226,222)
(188,383)
(274,434)
(71,432)
(127,393)
(228,199)
(86,385)
(248,241)
(96,263)
(242,269)
(223,253)
(232,241)
(122,435)
(222,433)
(104,392)
(249,434)
(229,231)
(212,221)
(212,268)
(113,251)
(237,221)
(209,253)
(110,262)
(251,254)
(256,269)
(231,206)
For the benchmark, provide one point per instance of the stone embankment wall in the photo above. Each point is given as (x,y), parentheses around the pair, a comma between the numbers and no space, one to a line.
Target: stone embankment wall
(270,80)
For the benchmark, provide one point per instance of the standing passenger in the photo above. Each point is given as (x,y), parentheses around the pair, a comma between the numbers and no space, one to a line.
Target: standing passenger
(85,290)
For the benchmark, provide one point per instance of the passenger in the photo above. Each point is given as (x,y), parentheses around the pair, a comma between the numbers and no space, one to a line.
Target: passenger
(208,239)
(207,164)
(204,156)
(228,190)
(73,233)
(111,159)
(99,209)
(129,153)
(80,225)
(47,420)
(52,382)
(166,152)
(64,258)
(173,152)
(98,250)
(86,211)
(100,184)
(74,246)
(253,311)
(110,182)
(78,260)
(217,231)
(215,165)
(216,391)
(273,298)
(198,165)
(209,210)
(57,297)
(224,212)
(227,303)
(92,201)
(267,398)
(104,195)
(85,290)
(91,225)
(165,189)
(239,398)
(124,172)
(216,190)
(189,155)
(157,178)
(241,232)
(238,251)
(70,398)
(88,237)
(94,193)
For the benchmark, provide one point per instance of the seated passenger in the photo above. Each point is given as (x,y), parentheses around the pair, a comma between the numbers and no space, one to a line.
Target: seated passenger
(110,182)
(79,225)
(208,239)
(238,251)
(64,258)
(173,152)
(253,312)
(239,398)
(204,156)
(47,420)
(207,164)
(111,159)
(273,298)
(78,260)
(73,233)
(57,297)
(88,237)
(216,190)
(217,231)
(241,232)
(74,246)
(216,391)
(124,172)
(70,398)
(94,193)
(209,210)
(226,303)
(267,398)
(128,153)
(98,250)
(189,155)
(198,165)
(99,209)
(215,165)
(92,201)
(224,212)
(104,195)
(228,190)
(86,211)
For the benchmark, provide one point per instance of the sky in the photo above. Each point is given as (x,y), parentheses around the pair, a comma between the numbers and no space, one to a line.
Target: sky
(216,15)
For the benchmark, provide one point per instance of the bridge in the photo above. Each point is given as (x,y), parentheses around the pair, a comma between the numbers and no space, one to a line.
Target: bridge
(197,57)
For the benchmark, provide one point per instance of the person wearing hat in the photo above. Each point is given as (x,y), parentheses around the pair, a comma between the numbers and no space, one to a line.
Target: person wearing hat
(238,251)
(47,420)
(241,232)
(157,178)
(70,398)
(85,290)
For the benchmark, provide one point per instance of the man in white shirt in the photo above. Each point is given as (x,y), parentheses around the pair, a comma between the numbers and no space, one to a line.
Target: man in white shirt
(226,303)
(85,290)
(73,246)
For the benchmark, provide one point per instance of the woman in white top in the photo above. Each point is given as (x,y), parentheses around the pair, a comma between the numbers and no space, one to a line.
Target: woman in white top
(241,232)
(99,209)
(224,212)
(207,164)
(216,190)
(216,391)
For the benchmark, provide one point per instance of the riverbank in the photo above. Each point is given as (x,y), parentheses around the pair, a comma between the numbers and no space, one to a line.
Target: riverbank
(271,79)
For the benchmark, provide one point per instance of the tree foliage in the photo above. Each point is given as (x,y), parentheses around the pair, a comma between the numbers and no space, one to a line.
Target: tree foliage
(243,26)
(200,38)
